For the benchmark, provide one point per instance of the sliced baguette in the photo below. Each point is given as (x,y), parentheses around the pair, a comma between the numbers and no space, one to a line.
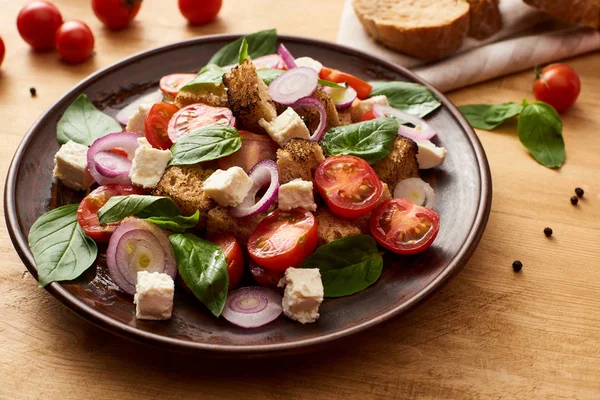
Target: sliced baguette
(484,18)
(584,12)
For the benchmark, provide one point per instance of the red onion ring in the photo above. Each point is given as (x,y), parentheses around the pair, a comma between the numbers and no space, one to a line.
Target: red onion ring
(273,61)
(110,164)
(262,173)
(293,85)
(425,132)
(311,102)
(125,141)
(342,98)
(251,307)
(127,112)
(287,57)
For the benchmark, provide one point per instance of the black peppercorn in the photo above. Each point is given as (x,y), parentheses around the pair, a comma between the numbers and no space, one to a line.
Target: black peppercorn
(574,200)
(548,231)
(517,265)
(579,192)
(32,91)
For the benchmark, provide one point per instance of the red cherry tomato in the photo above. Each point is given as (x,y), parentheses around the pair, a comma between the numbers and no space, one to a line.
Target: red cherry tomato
(403,227)
(74,42)
(265,277)
(349,185)
(37,24)
(2,51)
(557,85)
(363,89)
(196,116)
(369,115)
(283,239)
(233,256)
(87,213)
(116,14)
(156,125)
(171,84)
(200,11)
(254,148)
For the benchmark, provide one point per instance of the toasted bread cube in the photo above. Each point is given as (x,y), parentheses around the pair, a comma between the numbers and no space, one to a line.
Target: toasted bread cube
(400,164)
(220,221)
(331,227)
(298,159)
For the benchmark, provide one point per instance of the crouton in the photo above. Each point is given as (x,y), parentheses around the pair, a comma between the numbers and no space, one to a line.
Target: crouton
(345,117)
(248,97)
(362,222)
(400,164)
(217,98)
(220,221)
(183,183)
(299,158)
(331,227)
(332,114)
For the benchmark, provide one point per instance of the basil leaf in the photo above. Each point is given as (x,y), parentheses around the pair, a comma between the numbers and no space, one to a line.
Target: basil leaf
(268,75)
(260,44)
(371,140)
(205,144)
(243,54)
(177,223)
(540,130)
(83,123)
(323,82)
(61,249)
(209,78)
(411,97)
(143,206)
(203,268)
(489,116)
(347,265)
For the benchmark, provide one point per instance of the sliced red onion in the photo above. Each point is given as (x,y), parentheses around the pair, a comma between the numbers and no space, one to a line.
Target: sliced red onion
(342,98)
(127,112)
(122,141)
(312,103)
(273,61)
(263,173)
(293,85)
(110,164)
(251,307)
(132,242)
(416,190)
(288,58)
(421,131)
(309,62)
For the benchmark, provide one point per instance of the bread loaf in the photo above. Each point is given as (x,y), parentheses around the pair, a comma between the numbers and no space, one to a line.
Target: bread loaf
(584,12)
(484,18)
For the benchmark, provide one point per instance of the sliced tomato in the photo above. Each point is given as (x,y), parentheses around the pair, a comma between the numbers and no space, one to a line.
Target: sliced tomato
(233,256)
(156,125)
(283,239)
(349,185)
(369,115)
(87,213)
(265,277)
(403,227)
(196,116)
(254,148)
(363,89)
(171,84)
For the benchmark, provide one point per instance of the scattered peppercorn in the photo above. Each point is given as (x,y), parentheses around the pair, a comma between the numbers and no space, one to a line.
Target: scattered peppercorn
(574,200)
(32,91)
(548,231)
(579,192)
(517,265)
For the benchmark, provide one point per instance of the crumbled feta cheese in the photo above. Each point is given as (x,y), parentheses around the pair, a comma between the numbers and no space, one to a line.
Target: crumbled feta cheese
(136,121)
(228,188)
(309,62)
(429,155)
(303,294)
(148,164)
(286,126)
(360,107)
(70,166)
(153,295)
(297,193)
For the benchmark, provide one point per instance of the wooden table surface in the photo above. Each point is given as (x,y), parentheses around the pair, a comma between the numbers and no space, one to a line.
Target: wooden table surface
(490,333)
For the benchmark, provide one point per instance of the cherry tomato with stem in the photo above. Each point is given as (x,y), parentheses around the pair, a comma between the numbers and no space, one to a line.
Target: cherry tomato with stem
(233,256)
(199,12)
(363,89)
(156,125)
(557,85)
(74,42)
(116,14)
(37,23)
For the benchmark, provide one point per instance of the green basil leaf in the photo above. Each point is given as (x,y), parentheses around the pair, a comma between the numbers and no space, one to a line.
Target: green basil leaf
(259,44)
(83,123)
(323,82)
(268,75)
(143,206)
(489,116)
(371,140)
(540,130)
(205,144)
(410,97)
(177,223)
(209,78)
(203,268)
(243,54)
(61,249)
(347,265)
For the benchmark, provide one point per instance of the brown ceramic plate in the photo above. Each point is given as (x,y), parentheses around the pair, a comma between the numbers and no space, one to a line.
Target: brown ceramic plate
(462,184)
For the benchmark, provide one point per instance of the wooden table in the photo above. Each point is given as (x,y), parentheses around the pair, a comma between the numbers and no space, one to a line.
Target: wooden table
(490,333)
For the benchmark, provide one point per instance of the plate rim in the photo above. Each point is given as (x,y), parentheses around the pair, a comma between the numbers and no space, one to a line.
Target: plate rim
(20,242)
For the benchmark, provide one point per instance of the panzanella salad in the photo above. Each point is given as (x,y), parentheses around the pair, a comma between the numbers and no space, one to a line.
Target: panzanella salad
(261,164)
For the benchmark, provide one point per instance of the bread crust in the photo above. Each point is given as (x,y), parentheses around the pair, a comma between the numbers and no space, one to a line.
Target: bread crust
(484,18)
(584,12)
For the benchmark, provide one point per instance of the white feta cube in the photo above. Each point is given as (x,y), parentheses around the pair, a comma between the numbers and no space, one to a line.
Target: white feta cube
(286,126)
(228,188)
(430,155)
(148,164)
(303,294)
(70,166)
(360,107)
(136,121)
(297,193)
(153,298)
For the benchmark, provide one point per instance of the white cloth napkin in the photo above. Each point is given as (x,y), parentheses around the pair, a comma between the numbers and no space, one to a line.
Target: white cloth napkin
(528,38)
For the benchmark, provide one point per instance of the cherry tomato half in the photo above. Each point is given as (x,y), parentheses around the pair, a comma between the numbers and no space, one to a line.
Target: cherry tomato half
(265,277)
(349,185)
(557,85)
(233,256)
(116,14)
(156,125)
(254,148)
(37,24)
(283,239)
(200,11)
(403,227)
(87,213)
(74,42)
(196,116)
(170,84)
(363,89)
(2,51)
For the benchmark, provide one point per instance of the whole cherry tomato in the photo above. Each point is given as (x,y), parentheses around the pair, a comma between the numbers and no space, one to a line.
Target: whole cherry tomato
(37,24)
(116,14)
(75,42)
(557,85)
(200,11)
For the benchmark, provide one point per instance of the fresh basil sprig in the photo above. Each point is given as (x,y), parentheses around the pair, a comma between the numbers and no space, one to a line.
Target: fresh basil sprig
(142,206)
(260,44)
(203,268)
(410,97)
(209,78)
(330,84)
(347,265)
(540,130)
(243,54)
(83,123)
(177,223)
(205,144)
(61,249)
(490,116)
(371,140)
